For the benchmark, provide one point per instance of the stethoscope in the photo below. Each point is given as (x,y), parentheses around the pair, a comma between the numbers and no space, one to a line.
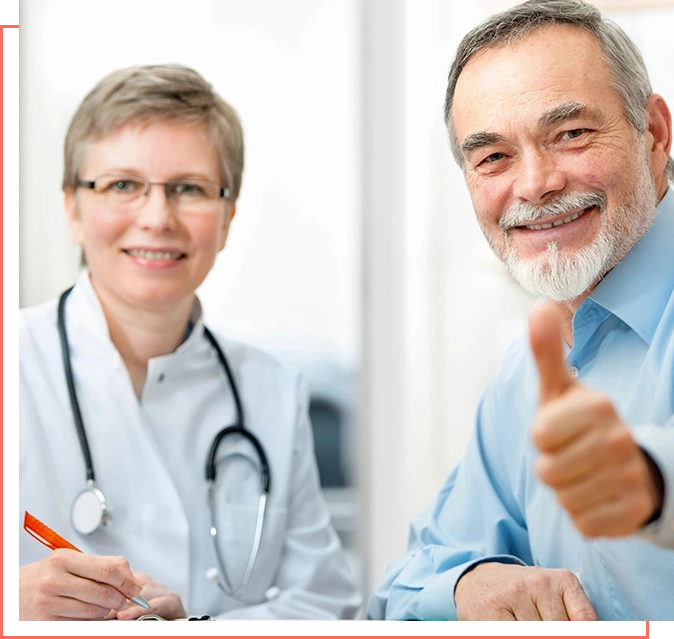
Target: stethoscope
(90,510)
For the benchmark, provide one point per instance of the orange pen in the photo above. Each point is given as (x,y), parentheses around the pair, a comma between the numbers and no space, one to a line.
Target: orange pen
(45,535)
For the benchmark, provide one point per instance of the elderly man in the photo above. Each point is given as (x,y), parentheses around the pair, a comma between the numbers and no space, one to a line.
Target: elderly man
(563,506)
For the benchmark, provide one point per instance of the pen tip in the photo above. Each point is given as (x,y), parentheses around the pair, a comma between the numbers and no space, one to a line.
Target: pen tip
(141,601)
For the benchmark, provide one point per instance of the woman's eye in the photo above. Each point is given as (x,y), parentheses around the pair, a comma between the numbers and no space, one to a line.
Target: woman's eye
(185,188)
(123,186)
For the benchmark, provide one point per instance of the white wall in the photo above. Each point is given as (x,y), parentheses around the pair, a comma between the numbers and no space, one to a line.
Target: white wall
(439,309)
(341,102)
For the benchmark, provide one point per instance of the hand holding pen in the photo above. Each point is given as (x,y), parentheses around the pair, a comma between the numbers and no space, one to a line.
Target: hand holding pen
(165,603)
(67,584)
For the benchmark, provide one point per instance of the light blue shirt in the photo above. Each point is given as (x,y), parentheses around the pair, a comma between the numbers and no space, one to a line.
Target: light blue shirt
(493,507)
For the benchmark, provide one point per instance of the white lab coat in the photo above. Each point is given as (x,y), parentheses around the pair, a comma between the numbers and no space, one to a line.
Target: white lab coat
(149,458)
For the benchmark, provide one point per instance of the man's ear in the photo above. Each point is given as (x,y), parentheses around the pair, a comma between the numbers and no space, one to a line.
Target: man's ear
(658,135)
(73,219)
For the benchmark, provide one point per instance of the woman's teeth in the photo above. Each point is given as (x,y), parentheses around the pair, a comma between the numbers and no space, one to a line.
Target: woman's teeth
(566,220)
(153,255)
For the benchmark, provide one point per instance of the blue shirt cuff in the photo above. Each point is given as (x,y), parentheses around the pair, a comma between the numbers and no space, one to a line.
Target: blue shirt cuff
(658,442)
(437,600)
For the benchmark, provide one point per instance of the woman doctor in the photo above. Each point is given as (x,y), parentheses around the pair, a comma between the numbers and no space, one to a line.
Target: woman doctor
(153,165)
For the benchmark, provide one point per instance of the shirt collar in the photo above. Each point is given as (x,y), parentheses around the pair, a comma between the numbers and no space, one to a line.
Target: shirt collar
(638,288)
(195,332)
(90,315)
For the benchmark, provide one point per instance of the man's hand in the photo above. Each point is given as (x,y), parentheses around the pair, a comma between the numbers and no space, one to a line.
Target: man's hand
(599,473)
(505,592)
(71,585)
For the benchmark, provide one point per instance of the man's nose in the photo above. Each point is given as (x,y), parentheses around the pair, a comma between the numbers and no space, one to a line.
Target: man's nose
(539,176)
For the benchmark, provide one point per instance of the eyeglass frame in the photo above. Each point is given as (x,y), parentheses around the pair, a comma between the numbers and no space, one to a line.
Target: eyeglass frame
(91,184)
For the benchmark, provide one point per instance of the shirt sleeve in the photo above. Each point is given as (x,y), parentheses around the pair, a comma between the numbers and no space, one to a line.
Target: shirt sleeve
(315,580)
(658,442)
(474,518)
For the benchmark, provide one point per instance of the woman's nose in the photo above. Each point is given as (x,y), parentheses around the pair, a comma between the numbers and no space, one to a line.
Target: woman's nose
(155,209)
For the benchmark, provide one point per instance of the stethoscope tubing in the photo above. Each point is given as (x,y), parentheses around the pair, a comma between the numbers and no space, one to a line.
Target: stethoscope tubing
(74,403)
(239,428)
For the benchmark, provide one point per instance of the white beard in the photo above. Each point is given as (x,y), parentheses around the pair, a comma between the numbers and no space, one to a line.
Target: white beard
(565,276)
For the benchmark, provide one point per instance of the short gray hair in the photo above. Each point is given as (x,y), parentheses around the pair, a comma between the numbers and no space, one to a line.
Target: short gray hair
(152,93)
(630,78)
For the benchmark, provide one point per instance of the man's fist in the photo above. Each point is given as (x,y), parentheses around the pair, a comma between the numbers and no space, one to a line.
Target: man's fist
(599,473)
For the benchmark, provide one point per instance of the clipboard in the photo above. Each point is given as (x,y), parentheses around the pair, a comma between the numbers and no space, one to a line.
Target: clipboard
(157,619)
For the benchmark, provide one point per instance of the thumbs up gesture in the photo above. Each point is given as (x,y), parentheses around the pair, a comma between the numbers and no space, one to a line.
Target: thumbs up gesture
(588,456)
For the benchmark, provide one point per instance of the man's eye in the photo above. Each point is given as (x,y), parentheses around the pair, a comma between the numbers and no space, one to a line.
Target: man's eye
(493,157)
(573,134)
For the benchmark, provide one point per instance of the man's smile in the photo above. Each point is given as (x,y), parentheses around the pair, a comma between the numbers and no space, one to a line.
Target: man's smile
(557,222)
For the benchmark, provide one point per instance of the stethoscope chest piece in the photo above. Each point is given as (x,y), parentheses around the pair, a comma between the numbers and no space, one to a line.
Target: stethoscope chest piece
(90,511)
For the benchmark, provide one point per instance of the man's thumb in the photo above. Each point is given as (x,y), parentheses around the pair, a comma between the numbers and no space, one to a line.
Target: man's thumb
(545,336)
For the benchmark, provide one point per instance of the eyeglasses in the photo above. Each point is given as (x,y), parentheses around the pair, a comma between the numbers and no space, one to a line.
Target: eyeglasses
(185,194)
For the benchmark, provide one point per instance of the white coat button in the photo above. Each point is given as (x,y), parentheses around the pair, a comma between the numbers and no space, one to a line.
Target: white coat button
(574,372)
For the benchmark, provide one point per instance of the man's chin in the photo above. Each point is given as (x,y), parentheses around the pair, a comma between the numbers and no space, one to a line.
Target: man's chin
(563,276)
(560,283)
(554,293)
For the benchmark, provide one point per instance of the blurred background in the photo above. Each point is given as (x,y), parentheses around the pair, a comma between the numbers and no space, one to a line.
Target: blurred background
(354,255)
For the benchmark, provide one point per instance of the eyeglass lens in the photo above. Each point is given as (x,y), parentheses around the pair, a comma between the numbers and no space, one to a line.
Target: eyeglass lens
(183,193)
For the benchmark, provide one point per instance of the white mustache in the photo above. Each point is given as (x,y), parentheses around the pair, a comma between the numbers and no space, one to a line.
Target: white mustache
(525,212)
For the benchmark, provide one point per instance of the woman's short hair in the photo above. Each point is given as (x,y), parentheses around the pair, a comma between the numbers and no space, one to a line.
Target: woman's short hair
(152,93)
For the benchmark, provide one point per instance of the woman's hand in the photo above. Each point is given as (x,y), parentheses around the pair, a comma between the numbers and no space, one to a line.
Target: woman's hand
(72,585)
(164,602)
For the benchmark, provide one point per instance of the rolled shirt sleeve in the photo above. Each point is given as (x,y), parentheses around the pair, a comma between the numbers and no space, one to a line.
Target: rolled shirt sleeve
(473,519)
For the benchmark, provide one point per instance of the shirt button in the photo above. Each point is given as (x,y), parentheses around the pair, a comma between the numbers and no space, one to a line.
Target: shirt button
(574,372)
(161,377)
